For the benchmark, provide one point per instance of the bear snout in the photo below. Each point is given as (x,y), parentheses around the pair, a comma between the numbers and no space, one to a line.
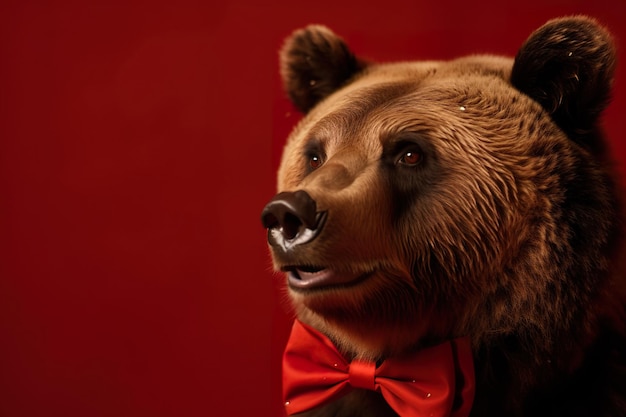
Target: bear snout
(292,219)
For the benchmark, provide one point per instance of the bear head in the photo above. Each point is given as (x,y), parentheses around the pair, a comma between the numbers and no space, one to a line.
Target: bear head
(422,201)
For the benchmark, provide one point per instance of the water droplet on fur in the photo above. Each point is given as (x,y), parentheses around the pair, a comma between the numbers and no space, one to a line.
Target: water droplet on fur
(312,82)
(570,54)
(462,108)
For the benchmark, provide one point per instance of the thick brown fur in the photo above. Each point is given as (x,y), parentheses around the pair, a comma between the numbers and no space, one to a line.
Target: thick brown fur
(507,229)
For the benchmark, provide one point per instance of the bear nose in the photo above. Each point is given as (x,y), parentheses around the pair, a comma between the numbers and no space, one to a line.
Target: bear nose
(293,215)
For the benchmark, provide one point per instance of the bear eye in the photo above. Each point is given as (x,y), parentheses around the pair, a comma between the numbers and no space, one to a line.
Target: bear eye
(410,157)
(315,161)
(314,155)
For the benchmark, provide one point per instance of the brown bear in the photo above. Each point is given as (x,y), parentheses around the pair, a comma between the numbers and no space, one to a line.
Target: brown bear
(452,210)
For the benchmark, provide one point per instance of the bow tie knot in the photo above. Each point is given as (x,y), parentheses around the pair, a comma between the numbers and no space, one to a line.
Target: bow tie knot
(362,374)
(436,381)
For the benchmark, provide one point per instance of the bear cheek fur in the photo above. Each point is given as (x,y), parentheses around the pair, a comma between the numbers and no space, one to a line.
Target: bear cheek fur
(500,227)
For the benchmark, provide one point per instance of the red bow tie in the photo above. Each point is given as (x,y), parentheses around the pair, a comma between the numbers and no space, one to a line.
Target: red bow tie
(436,381)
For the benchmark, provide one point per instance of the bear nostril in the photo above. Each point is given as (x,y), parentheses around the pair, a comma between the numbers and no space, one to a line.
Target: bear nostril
(290,226)
(269,220)
(290,213)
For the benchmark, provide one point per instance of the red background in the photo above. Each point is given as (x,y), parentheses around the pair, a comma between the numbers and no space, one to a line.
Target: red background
(138,144)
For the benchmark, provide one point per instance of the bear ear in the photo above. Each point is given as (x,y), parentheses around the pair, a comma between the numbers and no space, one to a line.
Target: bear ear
(314,62)
(567,66)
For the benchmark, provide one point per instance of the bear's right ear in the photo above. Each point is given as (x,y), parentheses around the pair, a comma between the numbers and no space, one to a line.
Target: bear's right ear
(314,62)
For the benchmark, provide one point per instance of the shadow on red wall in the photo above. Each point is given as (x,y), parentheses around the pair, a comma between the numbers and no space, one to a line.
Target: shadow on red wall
(138,144)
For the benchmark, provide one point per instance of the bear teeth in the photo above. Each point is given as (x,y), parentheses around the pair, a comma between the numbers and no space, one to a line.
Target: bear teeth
(310,269)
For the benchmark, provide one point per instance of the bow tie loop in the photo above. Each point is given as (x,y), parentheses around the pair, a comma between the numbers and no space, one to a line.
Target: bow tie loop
(422,384)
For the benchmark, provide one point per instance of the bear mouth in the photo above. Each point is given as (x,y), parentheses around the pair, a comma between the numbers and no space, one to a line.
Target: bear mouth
(303,277)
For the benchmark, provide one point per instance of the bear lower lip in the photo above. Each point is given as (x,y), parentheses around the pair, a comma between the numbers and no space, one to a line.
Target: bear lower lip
(308,278)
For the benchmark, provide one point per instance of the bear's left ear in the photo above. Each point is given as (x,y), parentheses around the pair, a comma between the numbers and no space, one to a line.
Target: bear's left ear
(567,66)
(314,62)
